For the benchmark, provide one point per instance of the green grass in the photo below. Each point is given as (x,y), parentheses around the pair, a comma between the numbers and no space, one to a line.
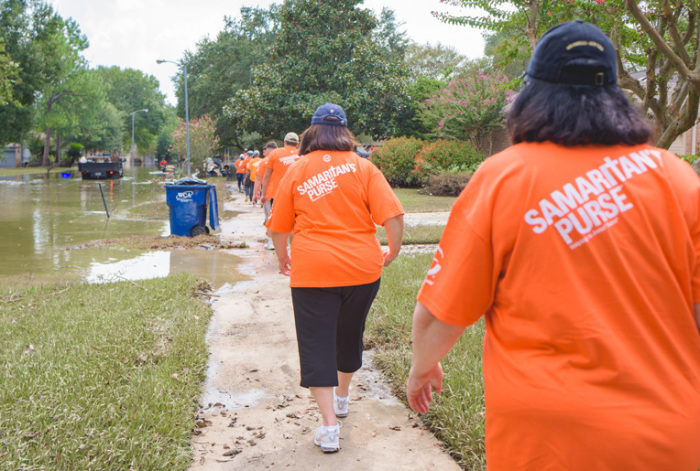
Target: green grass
(457,416)
(414,202)
(101,376)
(415,235)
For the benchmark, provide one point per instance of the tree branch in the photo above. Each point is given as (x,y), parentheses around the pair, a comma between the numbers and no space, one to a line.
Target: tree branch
(659,40)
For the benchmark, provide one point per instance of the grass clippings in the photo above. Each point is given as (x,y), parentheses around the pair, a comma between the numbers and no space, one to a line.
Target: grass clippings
(101,376)
(457,416)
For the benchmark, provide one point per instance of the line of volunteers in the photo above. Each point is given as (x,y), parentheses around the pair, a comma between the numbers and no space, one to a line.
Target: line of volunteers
(592,350)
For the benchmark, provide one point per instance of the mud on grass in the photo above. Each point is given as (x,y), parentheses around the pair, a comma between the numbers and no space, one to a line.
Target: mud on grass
(457,416)
(102,376)
(204,241)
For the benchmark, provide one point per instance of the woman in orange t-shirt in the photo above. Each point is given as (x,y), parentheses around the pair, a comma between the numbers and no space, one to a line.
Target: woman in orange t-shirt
(580,245)
(331,199)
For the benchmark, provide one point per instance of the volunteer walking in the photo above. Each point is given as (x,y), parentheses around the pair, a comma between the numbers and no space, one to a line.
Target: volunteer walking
(580,245)
(331,199)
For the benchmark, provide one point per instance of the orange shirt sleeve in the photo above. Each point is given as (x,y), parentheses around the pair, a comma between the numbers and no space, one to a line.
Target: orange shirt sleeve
(464,258)
(383,202)
(686,182)
(282,215)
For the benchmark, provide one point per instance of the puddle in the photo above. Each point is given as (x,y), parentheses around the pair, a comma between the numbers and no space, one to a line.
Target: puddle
(219,268)
(44,214)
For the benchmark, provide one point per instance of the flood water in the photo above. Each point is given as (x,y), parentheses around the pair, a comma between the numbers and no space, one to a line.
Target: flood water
(45,219)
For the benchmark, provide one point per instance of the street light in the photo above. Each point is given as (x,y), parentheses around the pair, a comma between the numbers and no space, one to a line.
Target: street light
(132,133)
(187,111)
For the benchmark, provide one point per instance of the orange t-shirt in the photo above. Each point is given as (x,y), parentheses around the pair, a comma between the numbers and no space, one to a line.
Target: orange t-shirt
(261,168)
(242,165)
(585,262)
(332,200)
(279,160)
(253,167)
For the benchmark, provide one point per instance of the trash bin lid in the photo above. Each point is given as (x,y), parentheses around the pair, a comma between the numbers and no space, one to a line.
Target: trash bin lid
(190,181)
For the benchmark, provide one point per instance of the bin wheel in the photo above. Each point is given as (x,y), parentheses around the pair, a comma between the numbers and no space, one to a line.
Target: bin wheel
(199,230)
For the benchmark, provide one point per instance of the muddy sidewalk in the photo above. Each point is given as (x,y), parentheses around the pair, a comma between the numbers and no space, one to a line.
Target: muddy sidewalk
(256,416)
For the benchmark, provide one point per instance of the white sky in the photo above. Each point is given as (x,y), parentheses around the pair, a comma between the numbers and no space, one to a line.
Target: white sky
(134,33)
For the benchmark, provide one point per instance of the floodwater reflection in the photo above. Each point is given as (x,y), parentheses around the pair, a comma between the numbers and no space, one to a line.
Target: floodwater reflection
(44,217)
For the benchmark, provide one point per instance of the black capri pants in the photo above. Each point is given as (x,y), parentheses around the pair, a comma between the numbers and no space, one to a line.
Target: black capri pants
(330,323)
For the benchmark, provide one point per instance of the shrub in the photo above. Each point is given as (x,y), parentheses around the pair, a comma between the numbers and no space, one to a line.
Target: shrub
(396,158)
(446,184)
(469,108)
(446,156)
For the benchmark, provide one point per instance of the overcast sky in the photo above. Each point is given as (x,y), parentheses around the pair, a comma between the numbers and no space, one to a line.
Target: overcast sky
(134,33)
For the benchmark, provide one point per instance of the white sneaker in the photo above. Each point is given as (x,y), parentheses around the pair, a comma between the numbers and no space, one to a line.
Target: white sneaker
(328,438)
(340,405)
(269,245)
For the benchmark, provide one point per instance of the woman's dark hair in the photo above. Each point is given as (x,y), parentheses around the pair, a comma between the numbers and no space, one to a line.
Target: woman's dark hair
(575,115)
(324,137)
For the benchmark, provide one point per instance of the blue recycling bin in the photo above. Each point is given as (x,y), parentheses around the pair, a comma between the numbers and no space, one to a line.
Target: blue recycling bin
(187,200)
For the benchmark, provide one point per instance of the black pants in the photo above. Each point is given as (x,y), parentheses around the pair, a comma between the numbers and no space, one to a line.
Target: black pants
(330,323)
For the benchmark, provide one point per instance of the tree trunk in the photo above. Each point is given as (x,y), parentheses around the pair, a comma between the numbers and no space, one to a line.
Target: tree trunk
(58,149)
(47,143)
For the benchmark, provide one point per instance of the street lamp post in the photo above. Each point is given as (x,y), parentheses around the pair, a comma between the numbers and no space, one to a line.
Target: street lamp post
(187,111)
(132,133)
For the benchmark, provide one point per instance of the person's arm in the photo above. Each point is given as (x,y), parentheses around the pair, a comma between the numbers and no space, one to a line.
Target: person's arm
(394,235)
(697,316)
(256,189)
(432,339)
(279,239)
(265,182)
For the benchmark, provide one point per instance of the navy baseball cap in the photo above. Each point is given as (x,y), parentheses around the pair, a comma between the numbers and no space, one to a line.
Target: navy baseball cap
(575,53)
(329,114)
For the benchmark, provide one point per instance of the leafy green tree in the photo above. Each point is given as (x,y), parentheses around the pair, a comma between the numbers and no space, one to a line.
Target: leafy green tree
(219,68)
(506,52)
(438,62)
(130,90)
(324,52)
(469,108)
(8,76)
(430,70)
(657,37)
(203,140)
(71,108)
(44,49)
(99,129)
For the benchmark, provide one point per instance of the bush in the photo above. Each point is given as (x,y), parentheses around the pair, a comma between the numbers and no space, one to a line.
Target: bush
(446,156)
(446,184)
(396,158)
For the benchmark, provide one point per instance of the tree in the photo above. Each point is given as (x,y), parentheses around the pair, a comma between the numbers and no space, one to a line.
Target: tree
(220,68)
(469,108)
(659,37)
(71,108)
(130,90)
(203,140)
(8,76)
(44,49)
(323,52)
(437,62)
(506,53)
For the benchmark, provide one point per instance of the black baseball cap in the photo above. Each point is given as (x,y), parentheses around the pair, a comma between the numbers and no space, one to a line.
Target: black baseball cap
(575,53)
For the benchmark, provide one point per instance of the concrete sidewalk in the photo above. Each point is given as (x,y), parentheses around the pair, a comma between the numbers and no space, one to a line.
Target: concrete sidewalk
(256,416)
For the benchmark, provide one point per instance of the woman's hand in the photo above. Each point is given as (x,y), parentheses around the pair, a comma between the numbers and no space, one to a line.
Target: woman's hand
(394,234)
(285,265)
(389,257)
(419,390)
